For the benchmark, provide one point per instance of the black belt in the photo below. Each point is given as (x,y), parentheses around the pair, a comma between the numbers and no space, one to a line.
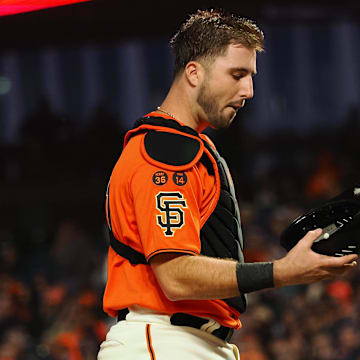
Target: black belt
(209,326)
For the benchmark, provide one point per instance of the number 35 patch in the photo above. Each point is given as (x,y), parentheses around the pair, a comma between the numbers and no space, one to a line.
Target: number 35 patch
(171,205)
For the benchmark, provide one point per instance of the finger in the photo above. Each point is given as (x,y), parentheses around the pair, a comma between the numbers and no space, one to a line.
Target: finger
(339,270)
(328,261)
(352,264)
(310,237)
(332,261)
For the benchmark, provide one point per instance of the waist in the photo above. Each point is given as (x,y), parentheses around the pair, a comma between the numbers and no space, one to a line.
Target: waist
(209,326)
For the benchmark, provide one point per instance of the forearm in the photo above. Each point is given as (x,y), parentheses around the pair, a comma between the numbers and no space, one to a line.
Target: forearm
(196,277)
(185,277)
(203,278)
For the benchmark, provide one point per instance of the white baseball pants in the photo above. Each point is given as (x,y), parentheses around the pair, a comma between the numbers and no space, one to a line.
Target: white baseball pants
(145,335)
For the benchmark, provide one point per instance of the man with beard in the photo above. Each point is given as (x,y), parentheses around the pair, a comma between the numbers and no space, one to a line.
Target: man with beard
(177,280)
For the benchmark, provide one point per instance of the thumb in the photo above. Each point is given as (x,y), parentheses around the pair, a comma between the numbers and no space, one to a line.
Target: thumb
(310,237)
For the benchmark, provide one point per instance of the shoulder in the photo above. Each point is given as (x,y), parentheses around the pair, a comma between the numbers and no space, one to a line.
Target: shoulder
(129,160)
(171,149)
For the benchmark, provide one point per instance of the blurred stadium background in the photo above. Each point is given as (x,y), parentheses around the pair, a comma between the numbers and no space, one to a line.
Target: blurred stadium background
(74,78)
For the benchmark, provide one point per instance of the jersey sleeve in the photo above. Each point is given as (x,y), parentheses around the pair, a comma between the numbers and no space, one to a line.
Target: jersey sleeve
(167,208)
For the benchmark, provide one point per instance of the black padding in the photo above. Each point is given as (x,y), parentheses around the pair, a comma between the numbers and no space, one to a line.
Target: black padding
(212,239)
(226,218)
(221,234)
(171,149)
(227,201)
(224,180)
(239,302)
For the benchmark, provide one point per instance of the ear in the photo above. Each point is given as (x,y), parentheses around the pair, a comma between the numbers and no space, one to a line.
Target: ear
(194,73)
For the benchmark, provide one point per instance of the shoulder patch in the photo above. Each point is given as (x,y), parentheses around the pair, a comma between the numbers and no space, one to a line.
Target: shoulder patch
(171,149)
(160,178)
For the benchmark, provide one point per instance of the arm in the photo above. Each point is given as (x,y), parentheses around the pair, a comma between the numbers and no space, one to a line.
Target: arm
(184,277)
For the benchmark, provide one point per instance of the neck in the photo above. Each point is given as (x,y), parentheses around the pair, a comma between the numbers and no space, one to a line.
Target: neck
(178,105)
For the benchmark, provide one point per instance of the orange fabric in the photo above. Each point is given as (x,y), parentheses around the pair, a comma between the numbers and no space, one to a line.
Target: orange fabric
(138,218)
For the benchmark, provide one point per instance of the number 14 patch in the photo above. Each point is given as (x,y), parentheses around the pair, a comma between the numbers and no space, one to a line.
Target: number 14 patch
(180,178)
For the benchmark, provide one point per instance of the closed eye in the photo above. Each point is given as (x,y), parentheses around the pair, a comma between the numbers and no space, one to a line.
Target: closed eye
(238,76)
(238,73)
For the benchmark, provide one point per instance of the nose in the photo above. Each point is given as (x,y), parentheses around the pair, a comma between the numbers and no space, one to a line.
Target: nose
(247,88)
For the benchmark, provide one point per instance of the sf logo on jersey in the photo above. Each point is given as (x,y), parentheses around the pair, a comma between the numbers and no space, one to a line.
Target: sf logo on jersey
(171,205)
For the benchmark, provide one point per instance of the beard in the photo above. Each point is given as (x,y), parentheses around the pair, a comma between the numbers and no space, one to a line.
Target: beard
(208,102)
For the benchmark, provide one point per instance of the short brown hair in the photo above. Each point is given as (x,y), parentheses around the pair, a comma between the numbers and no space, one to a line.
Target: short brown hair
(207,33)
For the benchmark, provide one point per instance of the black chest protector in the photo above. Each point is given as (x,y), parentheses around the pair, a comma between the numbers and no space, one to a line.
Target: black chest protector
(221,235)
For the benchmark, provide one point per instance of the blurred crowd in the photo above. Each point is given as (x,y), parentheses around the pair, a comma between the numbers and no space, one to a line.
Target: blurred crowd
(53,239)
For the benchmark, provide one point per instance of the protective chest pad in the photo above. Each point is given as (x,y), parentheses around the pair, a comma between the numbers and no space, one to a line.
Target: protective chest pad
(171,149)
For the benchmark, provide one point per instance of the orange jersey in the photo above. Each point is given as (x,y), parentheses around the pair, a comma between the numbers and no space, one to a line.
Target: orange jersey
(156,210)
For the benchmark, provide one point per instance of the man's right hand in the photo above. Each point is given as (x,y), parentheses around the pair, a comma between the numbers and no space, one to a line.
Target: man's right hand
(302,265)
